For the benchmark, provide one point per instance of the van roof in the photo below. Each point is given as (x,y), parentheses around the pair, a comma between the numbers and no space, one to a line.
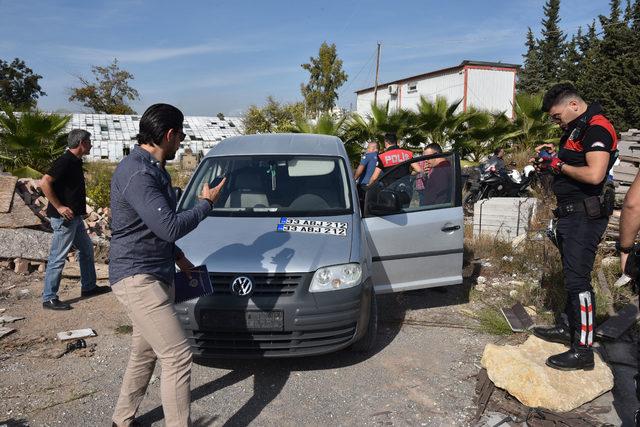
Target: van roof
(279,143)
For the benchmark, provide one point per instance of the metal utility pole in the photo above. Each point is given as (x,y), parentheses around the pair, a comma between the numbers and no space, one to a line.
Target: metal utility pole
(375,88)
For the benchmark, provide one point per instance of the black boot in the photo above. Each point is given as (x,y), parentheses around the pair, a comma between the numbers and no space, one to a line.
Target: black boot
(558,333)
(578,357)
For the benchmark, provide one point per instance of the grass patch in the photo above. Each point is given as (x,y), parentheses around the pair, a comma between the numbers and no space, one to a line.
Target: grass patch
(124,329)
(493,322)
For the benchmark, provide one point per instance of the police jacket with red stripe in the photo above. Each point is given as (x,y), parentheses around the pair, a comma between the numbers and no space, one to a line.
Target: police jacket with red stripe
(591,131)
(391,157)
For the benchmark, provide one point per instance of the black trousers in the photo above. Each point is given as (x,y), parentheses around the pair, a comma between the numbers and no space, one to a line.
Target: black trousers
(578,239)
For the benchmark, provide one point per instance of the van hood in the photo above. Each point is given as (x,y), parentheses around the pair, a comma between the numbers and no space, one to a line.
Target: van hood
(254,245)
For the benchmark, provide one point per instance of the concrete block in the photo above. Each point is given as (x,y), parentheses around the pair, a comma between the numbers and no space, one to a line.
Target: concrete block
(503,218)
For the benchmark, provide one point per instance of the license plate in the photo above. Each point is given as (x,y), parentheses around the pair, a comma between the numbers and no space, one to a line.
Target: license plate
(242,320)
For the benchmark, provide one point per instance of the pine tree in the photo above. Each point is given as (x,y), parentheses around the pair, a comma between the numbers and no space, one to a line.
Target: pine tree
(572,59)
(611,69)
(531,78)
(552,45)
(588,40)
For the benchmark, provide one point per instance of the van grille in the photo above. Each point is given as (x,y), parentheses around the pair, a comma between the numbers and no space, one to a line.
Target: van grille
(263,283)
(218,343)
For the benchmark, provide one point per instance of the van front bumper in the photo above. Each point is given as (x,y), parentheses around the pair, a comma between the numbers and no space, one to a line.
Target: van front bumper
(272,322)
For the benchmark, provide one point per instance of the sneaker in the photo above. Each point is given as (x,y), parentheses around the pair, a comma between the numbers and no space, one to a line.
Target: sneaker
(56,304)
(98,290)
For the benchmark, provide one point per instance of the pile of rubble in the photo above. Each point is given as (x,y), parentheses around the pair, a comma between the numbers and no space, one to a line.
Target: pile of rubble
(25,231)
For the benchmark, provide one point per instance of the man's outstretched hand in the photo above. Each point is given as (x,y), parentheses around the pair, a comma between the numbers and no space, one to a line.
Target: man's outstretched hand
(212,194)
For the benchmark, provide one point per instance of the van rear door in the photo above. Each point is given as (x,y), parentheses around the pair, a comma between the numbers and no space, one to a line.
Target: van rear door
(415,227)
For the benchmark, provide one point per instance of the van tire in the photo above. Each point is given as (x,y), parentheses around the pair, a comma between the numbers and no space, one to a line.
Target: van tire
(368,340)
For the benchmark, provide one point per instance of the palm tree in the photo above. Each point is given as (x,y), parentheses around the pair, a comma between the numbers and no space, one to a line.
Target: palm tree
(328,124)
(486,132)
(438,121)
(532,124)
(30,141)
(380,121)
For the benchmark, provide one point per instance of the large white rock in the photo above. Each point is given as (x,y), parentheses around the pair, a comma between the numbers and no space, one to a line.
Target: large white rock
(521,371)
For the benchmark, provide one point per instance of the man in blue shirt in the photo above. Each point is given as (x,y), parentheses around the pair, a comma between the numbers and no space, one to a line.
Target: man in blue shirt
(367,164)
(145,226)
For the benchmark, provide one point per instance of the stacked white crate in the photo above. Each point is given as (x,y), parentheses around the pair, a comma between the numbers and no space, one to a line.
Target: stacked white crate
(629,155)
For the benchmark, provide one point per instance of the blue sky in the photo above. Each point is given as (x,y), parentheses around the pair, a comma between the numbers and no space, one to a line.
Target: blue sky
(207,57)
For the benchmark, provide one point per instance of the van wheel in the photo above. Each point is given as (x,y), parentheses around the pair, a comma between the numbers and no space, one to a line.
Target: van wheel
(366,343)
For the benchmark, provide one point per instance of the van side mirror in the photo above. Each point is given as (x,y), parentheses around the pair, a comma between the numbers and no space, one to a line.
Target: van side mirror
(178,192)
(386,202)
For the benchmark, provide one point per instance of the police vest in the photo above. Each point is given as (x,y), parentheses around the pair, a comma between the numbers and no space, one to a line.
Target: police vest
(574,141)
(394,156)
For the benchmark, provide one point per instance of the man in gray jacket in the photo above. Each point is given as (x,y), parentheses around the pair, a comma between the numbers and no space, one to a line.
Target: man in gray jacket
(145,226)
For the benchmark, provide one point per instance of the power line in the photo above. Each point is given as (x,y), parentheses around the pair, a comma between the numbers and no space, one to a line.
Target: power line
(357,74)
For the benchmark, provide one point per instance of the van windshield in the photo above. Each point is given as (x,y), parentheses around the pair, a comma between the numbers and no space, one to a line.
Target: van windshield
(274,185)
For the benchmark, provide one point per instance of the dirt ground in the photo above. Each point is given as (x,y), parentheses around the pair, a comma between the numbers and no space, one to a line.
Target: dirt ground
(422,371)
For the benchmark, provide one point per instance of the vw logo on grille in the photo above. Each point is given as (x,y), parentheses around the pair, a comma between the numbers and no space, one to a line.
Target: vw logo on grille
(242,286)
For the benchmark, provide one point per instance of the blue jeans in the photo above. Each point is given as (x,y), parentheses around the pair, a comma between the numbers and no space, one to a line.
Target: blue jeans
(65,234)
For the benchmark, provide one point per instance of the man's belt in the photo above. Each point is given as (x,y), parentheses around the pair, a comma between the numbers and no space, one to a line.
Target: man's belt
(593,207)
(568,209)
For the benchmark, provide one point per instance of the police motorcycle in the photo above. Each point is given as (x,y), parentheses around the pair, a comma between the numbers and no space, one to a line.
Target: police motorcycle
(490,182)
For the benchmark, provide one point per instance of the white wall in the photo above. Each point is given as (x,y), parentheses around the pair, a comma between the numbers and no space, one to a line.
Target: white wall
(491,90)
(486,89)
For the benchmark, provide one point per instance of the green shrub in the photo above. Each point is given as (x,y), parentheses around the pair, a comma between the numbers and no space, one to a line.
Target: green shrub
(98,178)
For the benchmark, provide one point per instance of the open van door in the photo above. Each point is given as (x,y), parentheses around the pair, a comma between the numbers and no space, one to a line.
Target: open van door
(415,227)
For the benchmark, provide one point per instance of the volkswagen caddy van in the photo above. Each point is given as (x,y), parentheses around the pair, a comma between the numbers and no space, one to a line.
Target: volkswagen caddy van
(294,259)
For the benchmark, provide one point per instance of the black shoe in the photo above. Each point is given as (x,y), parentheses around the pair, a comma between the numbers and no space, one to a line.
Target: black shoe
(574,359)
(98,290)
(557,333)
(133,423)
(56,304)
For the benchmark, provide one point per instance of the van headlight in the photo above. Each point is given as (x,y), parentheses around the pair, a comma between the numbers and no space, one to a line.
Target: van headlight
(336,277)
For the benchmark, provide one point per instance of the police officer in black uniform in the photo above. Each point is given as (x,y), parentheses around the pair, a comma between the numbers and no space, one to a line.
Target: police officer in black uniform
(587,152)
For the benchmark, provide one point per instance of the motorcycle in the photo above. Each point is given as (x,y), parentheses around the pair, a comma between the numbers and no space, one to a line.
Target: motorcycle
(489,182)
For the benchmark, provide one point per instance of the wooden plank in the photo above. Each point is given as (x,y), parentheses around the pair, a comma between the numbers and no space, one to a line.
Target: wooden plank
(626,169)
(7,189)
(484,389)
(617,325)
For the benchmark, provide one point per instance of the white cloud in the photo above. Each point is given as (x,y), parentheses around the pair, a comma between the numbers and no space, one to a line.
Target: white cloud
(145,55)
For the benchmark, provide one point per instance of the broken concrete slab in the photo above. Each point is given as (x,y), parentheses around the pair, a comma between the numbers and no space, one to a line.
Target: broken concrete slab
(5,331)
(76,333)
(7,190)
(25,243)
(521,371)
(9,319)
(19,216)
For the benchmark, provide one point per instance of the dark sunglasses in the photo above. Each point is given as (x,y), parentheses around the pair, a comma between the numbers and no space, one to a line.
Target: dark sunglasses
(181,134)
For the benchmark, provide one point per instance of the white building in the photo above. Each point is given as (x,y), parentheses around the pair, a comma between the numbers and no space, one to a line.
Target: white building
(115,135)
(483,85)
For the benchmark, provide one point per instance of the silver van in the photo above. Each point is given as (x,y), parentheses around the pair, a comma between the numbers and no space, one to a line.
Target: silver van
(296,259)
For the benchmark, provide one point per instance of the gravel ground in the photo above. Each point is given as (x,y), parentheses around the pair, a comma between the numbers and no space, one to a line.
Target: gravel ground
(422,371)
